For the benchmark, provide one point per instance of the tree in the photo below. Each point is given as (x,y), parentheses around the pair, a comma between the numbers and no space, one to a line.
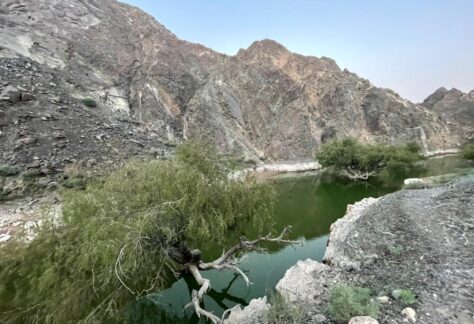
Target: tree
(361,161)
(124,235)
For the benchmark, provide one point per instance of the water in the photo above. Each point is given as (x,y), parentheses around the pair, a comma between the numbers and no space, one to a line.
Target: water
(310,204)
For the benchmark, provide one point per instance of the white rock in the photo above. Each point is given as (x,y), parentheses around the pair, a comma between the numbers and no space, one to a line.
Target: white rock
(300,281)
(412,181)
(252,314)
(383,299)
(409,314)
(363,320)
(340,232)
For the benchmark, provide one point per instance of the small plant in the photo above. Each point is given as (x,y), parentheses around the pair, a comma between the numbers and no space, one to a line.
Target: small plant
(75,183)
(31,174)
(395,249)
(346,302)
(281,312)
(468,152)
(407,297)
(89,102)
(4,192)
(9,170)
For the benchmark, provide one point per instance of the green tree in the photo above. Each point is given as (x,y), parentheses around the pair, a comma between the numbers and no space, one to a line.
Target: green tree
(360,161)
(122,236)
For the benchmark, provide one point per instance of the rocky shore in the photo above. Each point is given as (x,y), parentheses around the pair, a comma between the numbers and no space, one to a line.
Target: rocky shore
(416,240)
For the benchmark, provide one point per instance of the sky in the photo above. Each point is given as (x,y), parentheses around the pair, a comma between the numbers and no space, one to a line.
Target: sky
(411,46)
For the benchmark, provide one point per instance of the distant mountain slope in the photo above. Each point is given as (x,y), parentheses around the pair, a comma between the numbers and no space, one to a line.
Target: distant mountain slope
(454,106)
(265,102)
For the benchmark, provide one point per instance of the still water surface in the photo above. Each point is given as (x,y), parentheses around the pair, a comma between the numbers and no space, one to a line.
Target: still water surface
(310,204)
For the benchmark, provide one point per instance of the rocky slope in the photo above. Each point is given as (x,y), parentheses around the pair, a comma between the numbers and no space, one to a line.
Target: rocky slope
(153,89)
(412,239)
(454,106)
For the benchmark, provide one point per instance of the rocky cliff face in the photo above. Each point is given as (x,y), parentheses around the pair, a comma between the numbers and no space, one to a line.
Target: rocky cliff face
(153,88)
(454,106)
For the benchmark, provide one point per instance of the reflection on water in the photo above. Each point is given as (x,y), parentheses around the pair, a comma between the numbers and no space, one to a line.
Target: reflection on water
(310,205)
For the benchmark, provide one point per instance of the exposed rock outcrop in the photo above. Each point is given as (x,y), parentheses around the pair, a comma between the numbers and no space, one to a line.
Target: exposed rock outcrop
(456,107)
(263,103)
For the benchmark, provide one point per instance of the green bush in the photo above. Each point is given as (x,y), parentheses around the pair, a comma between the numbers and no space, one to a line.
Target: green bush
(89,102)
(348,154)
(74,183)
(114,241)
(407,297)
(346,302)
(9,170)
(4,193)
(282,312)
(468,152)
(31,174)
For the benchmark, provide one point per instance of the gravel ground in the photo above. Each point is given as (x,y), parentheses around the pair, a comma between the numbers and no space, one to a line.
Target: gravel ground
(420,240)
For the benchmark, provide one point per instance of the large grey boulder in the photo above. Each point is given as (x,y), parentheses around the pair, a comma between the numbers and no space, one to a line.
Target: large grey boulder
(254,313)
(11,94)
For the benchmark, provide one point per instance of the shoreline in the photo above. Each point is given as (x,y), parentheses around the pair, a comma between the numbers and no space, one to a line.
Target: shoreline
(265,171)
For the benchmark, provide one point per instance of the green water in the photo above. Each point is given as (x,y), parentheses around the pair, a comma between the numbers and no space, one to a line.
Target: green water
(310,204)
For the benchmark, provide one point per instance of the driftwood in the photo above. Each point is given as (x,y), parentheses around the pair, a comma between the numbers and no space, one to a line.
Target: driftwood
(228,261)
(357,174)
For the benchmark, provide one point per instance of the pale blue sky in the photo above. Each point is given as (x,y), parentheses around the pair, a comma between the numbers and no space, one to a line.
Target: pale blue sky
(411,46)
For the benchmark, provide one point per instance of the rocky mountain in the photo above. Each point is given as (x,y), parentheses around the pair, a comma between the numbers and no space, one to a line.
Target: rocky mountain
(153,90)
(454,106)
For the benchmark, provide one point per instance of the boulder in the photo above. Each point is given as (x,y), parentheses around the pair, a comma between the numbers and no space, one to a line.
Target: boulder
(254,313)
(409,314)
(11,94)
(363,320)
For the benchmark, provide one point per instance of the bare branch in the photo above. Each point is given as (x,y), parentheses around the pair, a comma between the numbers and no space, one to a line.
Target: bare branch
(118,265)
(228,260)
(356,174)
(249,245)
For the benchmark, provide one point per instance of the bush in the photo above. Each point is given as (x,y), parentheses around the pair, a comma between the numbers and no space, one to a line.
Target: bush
(115,237)
(407,297)
(346,302)
(74,183)
(9,170)
(281,312)
(89,102)
(4,193)
(31,174)
(348,154)
(468,152)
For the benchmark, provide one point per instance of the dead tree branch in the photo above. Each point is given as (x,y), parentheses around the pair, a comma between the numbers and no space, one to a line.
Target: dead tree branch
(357,174)
(228,260)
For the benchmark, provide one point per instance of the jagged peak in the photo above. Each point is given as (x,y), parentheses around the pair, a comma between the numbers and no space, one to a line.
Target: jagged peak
(264,46)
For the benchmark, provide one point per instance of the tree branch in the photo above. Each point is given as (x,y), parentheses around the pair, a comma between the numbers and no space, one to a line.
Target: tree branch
(228,260)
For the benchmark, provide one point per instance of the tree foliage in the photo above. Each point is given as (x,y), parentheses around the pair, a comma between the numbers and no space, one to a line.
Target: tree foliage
(348,154)
(114,238)
(467,151)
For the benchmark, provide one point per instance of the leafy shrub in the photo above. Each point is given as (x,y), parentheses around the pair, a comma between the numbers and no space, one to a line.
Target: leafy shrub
(407,297)
(74,183)
(468,152)
(113,242)
(281,312)
(9,170)
(89,102)
(348,154)
(346,302)
(4,192)
(31,174)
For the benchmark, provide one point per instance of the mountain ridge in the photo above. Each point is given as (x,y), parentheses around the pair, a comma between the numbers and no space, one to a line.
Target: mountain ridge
(264,103)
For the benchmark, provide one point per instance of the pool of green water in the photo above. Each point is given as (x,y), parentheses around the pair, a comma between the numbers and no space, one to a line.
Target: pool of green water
(310,204)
